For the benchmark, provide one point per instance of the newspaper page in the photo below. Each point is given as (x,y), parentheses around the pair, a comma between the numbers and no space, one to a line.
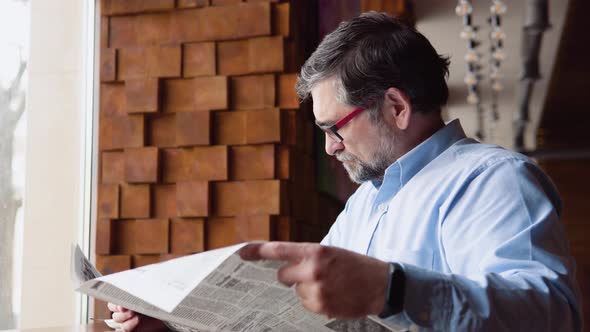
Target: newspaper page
(235,295)
(81,269)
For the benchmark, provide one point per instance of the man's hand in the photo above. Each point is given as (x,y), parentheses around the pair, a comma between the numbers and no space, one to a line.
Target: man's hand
(131,320)
(328,280)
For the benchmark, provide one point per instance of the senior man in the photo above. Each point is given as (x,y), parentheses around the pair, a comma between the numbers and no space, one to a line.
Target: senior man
(444,233)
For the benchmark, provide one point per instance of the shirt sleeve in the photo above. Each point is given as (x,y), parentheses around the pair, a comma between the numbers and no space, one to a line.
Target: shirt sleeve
(505,248)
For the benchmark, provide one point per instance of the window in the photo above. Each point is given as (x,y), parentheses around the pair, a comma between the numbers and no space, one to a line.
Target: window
(14,46)
(57,177)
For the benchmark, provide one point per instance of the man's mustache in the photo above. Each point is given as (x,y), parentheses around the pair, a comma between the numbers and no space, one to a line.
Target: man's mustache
(343,156)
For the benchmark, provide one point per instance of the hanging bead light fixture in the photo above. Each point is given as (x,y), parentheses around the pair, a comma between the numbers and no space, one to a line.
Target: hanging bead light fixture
(473,58)
(497,36)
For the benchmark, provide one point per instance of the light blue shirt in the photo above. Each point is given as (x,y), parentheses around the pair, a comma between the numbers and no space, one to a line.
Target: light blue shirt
(476,229)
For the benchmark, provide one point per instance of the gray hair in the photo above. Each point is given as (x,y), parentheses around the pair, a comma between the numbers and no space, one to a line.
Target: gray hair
(371,53)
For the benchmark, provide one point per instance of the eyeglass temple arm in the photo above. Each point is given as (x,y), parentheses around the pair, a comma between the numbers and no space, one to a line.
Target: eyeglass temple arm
(347,118)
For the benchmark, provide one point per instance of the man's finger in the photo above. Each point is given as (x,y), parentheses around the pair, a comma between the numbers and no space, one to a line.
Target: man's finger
(130,324)
(112,307)
(291,274)
(282,251)
(121,317)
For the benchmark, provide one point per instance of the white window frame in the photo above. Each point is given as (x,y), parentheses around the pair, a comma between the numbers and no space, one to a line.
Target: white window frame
(59,199)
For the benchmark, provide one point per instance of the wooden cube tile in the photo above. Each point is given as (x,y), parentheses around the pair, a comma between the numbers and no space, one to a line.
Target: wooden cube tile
(112,99)
(143,95)
(104,243)
(265,54)
(161,130)
(151,236)
(112,264)
(287,97)
(256,228)
(264,197)
(185,26)
(252,162)
(225,2)
(263,126)
(221,232)
(124,235)
(208,163)
(229,128)
(199,59)
(233,57)
(281,23)
(193,128)
(154,5)
(164,201)
(154,29)
(285,163)
(248,198)
(292,131)
(118,7)
(104,31)
(176,166)
(192,199)
(254,20)
(210,93)
(114,7)
(119,132)
(122,32)
(293,59)
(286,229)
(135,201)
(226,198)
(142,165)
(108,65)
(252,92)
(108,201)
(143,260)
(131,63)
(192,3)
(217,23)
(105,133)
(187,236)
(113,167)
(164,61)
(178,95)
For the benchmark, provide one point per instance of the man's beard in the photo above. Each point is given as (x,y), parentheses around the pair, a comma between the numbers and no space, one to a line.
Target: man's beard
(360,171)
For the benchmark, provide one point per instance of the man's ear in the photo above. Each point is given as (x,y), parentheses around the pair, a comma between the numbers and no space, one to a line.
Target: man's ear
(398,105)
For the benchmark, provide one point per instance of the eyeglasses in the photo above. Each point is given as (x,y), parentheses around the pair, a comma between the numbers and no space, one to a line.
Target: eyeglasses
(332,130)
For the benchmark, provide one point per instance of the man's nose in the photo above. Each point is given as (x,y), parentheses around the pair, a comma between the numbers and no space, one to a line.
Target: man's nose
(332,146)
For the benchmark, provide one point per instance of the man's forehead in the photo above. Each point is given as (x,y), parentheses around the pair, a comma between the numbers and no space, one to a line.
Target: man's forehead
(325,102)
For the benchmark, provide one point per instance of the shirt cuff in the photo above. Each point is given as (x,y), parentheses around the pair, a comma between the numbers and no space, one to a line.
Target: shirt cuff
(427,296)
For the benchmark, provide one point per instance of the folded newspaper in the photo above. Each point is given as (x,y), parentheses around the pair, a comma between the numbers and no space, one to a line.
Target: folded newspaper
(210,291)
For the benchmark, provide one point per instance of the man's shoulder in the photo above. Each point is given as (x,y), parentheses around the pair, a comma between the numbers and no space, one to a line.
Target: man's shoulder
(471,155)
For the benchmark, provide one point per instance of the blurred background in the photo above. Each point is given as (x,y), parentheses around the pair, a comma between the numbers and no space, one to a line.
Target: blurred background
(145,130)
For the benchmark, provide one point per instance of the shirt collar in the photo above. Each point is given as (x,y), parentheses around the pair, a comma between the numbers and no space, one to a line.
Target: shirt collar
(401,171)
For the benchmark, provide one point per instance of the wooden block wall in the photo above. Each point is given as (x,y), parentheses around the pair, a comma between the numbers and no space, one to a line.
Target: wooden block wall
(203,142)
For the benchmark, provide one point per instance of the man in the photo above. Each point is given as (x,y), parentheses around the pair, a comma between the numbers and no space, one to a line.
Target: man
(444,233)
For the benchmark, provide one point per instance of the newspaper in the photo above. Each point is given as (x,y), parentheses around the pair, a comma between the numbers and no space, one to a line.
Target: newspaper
(212,291)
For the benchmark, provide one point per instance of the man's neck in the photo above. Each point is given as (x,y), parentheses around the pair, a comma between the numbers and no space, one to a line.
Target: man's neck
(422,127)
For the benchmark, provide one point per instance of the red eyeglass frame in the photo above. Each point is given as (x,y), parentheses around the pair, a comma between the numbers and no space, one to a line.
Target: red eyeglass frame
(332,130)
